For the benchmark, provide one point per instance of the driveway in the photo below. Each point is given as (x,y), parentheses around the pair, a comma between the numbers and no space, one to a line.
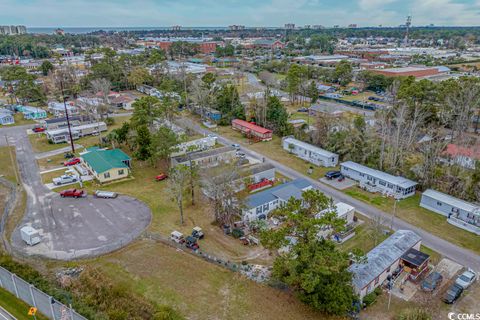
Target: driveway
(445,248)
(71,228)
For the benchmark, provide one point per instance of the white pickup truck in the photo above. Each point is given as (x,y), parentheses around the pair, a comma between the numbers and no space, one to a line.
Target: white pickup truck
(64,179)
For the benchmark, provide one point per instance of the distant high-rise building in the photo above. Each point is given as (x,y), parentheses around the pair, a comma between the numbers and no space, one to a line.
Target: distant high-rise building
(176,28)
(307,26)
(318,27)
(236,27)
(336,26)
(12,30)
(352,26)
(289,26)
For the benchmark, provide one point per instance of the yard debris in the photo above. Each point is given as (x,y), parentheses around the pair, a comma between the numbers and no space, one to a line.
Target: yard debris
(256,272)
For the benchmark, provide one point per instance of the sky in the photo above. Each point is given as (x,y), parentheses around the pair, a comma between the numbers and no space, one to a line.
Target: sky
(215,13)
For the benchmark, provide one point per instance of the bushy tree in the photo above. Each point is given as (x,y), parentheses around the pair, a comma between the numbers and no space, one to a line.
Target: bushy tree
(277,117)
(228,103)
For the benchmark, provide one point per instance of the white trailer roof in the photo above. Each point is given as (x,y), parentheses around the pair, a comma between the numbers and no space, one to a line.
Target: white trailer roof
(396,180)
(310,147)
(455,202)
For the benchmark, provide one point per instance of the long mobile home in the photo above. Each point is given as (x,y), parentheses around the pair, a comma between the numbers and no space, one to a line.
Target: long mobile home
(310,153)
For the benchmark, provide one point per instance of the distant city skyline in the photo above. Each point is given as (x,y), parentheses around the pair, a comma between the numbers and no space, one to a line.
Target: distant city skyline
(210,13)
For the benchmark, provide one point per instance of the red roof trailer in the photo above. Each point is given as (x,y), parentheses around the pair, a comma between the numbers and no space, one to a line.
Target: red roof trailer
(257,132)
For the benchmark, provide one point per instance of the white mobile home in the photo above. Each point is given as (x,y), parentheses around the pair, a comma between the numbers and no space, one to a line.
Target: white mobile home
(378,181)
(206,159)
(260,204)
(195,145)
(382,261)
(62,135)
(310,153)
(460,213)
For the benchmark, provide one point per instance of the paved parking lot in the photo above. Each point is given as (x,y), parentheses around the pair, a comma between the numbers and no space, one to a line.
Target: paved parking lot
(72,228)
(85,227)
(340,185)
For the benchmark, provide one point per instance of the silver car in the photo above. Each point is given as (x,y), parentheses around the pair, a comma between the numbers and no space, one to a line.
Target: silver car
(466,279)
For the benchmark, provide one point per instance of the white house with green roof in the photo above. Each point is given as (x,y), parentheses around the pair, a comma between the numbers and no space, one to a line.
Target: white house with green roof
(107,165)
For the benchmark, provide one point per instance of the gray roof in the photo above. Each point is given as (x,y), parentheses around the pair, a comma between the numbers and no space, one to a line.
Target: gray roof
(454,202)
(284,191)
(259,167)
(64,119)
(203,154)
(396,180)
(383,256)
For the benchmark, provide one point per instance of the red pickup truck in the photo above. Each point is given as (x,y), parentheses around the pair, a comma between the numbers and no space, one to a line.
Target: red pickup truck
(71,162)
(73,193)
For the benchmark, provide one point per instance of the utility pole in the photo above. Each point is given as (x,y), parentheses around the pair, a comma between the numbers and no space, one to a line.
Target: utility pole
(68,118)
(394,211)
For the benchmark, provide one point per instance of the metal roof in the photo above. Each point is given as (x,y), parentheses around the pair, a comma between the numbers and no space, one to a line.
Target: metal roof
(310,147)
(104,160)
(251,126)
(454,202)
(203,154)
(396,180)
(382,257)
(284,191)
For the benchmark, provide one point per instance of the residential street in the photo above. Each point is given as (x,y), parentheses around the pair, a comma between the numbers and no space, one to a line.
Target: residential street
(447,249)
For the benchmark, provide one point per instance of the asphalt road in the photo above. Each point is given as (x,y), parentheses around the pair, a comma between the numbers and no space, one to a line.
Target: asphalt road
(70,228)
(461,255)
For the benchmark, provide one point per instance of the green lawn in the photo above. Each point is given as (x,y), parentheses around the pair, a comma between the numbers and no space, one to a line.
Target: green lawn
(7,167)
(410,211)
(16,307)
(364,237)
(20,120)
(274,150)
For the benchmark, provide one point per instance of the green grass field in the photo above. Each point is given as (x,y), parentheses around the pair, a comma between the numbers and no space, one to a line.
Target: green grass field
(16,307)
(7,167)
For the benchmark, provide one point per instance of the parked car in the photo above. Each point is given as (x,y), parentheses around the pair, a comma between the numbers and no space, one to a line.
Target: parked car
(71,162)
(452,294)
(236,146)
(240,154)
(302,110)
(177,236)
(161,176)
(64,179)
(68,155)
(191,243)
(105,194)
(466,279)
(73,193)
(38,129)
(197,232)
(333,175)
(432,281)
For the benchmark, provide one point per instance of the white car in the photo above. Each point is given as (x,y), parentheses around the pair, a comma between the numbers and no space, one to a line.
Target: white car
(466,279)
(105,194)
(64,179)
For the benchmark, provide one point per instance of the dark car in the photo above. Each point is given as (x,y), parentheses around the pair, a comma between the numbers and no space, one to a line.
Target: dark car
(432,281)
(333,175)
(302,110)
(452,294)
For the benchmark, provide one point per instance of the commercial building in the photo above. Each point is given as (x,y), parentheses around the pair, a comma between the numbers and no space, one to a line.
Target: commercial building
(260,204)
(251,130)
(12,30)
(383,261)
(310,153)
(206,159)
(417,72)
(107,165)
(460,213)
(377,181)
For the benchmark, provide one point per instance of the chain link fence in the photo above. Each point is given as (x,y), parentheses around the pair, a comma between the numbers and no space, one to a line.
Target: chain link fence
(47,305)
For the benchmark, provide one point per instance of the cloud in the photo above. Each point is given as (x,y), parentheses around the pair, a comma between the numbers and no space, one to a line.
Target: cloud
(127,13)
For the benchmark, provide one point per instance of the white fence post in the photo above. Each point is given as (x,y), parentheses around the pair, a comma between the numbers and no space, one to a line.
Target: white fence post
(15,286)
(51,308)
(33,297)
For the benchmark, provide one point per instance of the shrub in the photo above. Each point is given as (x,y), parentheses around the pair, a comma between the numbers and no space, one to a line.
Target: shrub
(413,314)
(370,298)
(109,121)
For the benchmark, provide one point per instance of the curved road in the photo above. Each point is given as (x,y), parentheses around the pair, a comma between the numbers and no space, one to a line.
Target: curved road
(461,255)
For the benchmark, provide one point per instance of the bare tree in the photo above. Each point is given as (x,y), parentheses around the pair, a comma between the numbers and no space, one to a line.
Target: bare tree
(177,182)
(376,228)
(219,185)
(102,87)
(430,151)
